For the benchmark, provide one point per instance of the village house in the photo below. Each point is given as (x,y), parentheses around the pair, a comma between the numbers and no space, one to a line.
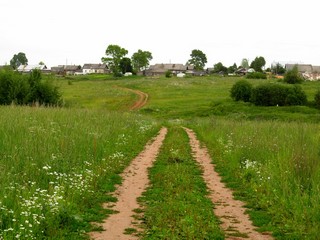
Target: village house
(161,69)
(29,68)
(66,69)
(95,68)
(308,71)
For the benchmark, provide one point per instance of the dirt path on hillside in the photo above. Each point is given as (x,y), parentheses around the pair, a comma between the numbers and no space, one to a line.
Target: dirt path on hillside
(135,181)
(142,100)
(231,212)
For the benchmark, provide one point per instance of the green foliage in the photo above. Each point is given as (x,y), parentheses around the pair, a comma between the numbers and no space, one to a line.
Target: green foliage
(198,59)
(317,99)
(114,54)
(232,68)
(141,60)
(277,69)
(168,74)
(219,68)
(256,75)
(18,59)
(258,63)
(278,95)
(22,89)
(125,65)
(293,76)
(241,91)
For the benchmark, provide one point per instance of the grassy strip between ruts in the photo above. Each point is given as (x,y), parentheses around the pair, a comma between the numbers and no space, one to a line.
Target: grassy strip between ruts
(176,203)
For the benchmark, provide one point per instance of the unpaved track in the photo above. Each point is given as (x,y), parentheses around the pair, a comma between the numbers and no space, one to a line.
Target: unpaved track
(230,211)
(135,181)
(142,100)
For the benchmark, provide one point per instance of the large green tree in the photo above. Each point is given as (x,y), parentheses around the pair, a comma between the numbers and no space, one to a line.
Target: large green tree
(277,69)
(219,68)
(114,54)
(198,59)
(258,63)
(125,65)
(141,60)
(18,59)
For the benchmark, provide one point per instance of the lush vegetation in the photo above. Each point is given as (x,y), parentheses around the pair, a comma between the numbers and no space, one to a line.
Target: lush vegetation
(60,162)
(57,165)
(19,89)
(274,167)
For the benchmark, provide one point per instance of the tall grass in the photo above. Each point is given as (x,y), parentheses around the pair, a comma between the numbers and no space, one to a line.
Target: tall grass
(57,164)
(274,166)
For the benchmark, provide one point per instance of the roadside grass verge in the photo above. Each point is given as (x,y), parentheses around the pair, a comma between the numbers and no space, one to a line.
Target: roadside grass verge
(274,167)
(176,204)
(58,164)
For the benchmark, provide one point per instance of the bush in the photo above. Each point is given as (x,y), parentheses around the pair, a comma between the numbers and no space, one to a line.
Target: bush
(168,74)
(241,91)
(256,75)
(317,99)
(22,89)
(293,76)
(278,95)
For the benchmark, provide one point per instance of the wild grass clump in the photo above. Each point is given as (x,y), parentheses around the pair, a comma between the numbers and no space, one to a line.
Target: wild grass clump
(59,164)
(176,203)
(274,167)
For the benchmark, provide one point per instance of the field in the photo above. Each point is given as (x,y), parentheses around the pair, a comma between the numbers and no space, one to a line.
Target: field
(60,164)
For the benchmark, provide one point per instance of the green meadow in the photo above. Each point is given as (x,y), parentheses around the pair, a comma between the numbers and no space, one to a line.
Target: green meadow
(58,165)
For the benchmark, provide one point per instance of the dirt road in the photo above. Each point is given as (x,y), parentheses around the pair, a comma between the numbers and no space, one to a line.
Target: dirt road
(235,223)
(135,181)
(142,98)
(230,211)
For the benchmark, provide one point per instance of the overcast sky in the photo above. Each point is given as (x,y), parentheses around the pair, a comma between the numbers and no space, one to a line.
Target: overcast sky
(77,32)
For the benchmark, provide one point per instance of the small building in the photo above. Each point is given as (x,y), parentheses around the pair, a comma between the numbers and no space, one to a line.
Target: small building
(161,69)
(29,68)
(95,68)
(66,69)
(308,71)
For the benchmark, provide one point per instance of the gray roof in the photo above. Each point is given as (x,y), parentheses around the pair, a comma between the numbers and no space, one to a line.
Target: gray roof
(301,67)
(95,66)
(168,66)
(28,68)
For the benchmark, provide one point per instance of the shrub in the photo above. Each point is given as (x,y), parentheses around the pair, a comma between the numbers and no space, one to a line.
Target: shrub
(168,74)
(256,75)
(317,99)
(21,89)
(293,76)
(278,95)
(241,91)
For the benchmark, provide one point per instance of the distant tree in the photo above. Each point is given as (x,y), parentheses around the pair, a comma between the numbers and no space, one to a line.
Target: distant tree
(293,76)
(277,69)
(218,67)
(41,63)
(198,59)
(18,59)
(232,68)
(114,54)
(244,63)
(125,65)
(141,60)
(258,63)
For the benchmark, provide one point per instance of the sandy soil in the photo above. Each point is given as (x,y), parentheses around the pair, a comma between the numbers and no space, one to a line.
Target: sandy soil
(135,181)
(230,211)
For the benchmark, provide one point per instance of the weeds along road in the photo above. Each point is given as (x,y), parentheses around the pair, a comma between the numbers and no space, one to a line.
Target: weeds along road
(234,222)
